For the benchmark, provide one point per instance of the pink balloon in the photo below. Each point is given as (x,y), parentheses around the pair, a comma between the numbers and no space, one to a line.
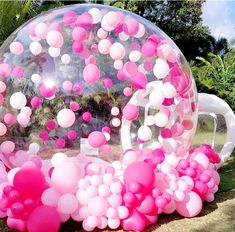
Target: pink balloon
(65,177)
(30,182)
(91,73)
(190,206)
(16,48)
(96,139)
(55,39)
(70,18)
(9,119)
(130,112)
(79,34)
(43,219)
(97,206)
(5,70)
(145,177)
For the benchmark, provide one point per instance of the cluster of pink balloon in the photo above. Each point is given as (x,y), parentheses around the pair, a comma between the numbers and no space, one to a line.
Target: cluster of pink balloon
(112,85)
(82,191)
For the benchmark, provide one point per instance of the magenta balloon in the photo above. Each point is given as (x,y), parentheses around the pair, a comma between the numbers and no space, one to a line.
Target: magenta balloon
(44,219)
(30,182)
(139,172)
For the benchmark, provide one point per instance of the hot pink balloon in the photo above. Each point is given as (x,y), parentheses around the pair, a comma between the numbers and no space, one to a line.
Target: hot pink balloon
(43,219)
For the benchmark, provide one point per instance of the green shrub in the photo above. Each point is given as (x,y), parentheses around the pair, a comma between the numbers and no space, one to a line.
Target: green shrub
(216,75)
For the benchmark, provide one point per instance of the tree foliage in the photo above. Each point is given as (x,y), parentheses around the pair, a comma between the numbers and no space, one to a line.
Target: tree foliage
(217,75)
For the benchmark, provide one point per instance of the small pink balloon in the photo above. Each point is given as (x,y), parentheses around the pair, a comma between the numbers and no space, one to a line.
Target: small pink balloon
(74,106)
(131,27)
(2,87)
(55,39)
(9,118)
(79,34)
(7,147)
(70,18)
(91,73)
(51,124)
(60,143)
(36,102)
(3,129)
(72,134)
(67,85)
(127,91)
(96,139)
(5,70)
(41,30)
(77,47)
(107,83)
(84,20)
(86,116)
(55,26)
(16,48)
(43,219)
(139,80)
(43,135)
(23,119)
(117,51)
(130,112)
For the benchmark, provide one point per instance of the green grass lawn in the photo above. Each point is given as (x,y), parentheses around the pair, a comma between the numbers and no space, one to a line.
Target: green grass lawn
(218,216)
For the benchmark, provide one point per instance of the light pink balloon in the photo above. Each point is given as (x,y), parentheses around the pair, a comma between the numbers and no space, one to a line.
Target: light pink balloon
(16,48)
(55,39)
(65,177)
(91,73)
(98,206)
(191,206)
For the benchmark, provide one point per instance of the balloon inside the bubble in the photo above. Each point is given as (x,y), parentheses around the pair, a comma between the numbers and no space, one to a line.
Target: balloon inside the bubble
(98,112)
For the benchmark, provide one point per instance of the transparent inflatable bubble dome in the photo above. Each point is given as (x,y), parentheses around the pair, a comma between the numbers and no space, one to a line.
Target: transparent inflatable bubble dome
(93,80)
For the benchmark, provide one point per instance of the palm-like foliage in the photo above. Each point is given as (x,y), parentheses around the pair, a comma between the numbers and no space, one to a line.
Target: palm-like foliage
(15,13)
(217,75)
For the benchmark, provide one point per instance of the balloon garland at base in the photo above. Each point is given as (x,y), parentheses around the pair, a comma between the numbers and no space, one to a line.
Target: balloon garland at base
(107,84)
(86,191)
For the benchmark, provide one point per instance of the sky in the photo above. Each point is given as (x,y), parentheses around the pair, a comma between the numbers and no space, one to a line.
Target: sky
(219,15)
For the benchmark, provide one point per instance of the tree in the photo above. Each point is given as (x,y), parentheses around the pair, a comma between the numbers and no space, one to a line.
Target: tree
(180,20)
(217,75)
(15,13)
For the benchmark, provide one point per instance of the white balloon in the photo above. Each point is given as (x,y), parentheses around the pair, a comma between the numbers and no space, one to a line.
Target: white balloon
(36,78)
(96,15)
(35,48)
(141,31)
(54,52)
(144,133)
(156,98)
(150,120)
(161,119)
(58,158)
(67,204)
(65,59)
(18,100)
(115,111)
(169,90)
(134,56)
(34,148)
(116,122)
(161,69)
(123,36)
(66,118)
